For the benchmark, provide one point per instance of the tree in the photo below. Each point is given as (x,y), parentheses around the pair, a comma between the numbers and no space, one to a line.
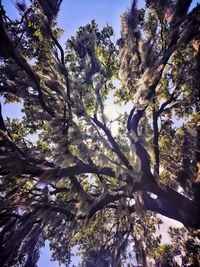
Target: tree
(164,256)
(184,245)
(81,185)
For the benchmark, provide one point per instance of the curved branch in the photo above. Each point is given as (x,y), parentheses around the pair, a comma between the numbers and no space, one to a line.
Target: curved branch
(172,204)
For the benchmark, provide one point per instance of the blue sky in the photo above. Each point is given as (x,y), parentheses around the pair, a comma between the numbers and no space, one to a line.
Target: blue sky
(75,13)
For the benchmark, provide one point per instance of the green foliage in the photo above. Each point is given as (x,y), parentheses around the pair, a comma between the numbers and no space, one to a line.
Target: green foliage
(68,174)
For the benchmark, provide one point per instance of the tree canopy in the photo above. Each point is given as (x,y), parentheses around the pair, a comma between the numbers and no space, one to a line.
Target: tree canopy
(66,175)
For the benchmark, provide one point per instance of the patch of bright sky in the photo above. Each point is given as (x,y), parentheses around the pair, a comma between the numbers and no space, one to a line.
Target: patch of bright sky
(113,111)
(11,110)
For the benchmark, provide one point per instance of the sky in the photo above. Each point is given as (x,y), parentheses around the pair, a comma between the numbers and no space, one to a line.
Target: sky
(75,13)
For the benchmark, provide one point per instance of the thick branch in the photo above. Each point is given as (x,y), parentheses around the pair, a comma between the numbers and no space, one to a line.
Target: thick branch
(173,205)
(155,142)
(79,168)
